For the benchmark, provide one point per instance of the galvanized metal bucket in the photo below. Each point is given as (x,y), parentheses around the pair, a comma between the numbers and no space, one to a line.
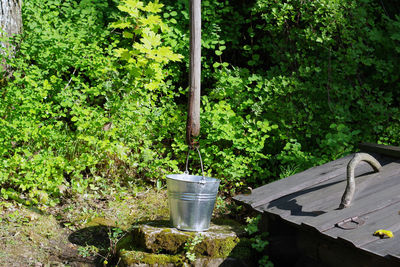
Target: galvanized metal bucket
(191,199)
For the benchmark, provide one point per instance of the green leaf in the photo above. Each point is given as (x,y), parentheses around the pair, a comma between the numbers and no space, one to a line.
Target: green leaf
(153,7)
(127,34)
(120,25)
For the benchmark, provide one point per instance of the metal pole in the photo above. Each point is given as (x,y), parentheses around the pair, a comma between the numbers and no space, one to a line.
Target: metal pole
(193,118)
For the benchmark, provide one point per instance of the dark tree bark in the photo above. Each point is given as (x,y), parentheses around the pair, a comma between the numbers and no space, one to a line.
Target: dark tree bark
(10,23)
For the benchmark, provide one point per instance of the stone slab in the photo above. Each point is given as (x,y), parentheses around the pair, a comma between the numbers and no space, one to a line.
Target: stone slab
(155,243)
(158,236)
(143,259)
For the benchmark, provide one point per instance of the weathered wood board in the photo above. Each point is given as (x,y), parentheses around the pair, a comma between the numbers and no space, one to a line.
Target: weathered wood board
(377,195)
(310,199)
(392,151)
(385,247)
(387,218)
(311,177)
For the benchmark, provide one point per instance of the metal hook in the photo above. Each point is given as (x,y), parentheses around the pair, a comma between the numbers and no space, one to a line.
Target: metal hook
(351,184)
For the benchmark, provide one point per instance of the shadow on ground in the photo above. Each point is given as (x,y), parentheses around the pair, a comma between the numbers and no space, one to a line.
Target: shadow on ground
(91,236)
(97,237)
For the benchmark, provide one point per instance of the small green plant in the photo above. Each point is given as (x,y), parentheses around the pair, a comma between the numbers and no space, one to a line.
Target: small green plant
(191,245)
(88,251)
(252,224)
(258,239)
(220,205)
(114,235)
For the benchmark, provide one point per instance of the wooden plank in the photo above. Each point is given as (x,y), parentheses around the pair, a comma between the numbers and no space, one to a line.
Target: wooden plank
(394,253)
(309,202)
(294,183)
(314,176)
(385,247)
(315,203)
(325,201)
(379,195)
(392,151)
(318,199)
(193,116)
(387,218)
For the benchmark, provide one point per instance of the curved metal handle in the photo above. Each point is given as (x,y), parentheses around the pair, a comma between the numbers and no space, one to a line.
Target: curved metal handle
(351,185)
(203,179)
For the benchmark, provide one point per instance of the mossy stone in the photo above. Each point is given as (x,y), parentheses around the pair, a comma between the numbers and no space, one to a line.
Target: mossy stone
(216,248)
(126,243)
(232,224)
(158,237)
(131,258)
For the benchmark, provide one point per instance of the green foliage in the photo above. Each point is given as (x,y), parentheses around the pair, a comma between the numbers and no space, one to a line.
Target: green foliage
(47,106)
(82,106)
(98,91)
(191,245)
(288,84)
(258,239)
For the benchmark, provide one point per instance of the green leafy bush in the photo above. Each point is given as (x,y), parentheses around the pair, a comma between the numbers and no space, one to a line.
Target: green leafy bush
(81,107)
(98,91)
(291,84)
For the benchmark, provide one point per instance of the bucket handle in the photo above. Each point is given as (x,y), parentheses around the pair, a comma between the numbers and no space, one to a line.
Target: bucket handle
(203,179)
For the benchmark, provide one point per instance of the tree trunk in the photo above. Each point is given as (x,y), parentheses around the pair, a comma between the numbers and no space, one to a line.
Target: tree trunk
(10,25)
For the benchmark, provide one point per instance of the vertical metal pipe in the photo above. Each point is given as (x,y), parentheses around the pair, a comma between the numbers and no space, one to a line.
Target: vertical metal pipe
(193,118)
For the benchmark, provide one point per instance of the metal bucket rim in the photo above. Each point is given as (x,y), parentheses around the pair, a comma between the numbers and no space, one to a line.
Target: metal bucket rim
(208,180)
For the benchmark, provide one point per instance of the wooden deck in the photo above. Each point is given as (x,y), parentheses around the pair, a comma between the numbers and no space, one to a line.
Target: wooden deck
(309,200)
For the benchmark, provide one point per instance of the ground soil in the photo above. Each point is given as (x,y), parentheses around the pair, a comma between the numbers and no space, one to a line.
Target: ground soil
(77,231)
(74,233)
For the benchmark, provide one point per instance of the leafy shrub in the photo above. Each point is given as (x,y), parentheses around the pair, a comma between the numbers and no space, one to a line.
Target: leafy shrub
(98,90)
(290,84)
(80,109)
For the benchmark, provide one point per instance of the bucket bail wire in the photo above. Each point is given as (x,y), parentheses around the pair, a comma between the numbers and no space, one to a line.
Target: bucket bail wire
(203,179)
